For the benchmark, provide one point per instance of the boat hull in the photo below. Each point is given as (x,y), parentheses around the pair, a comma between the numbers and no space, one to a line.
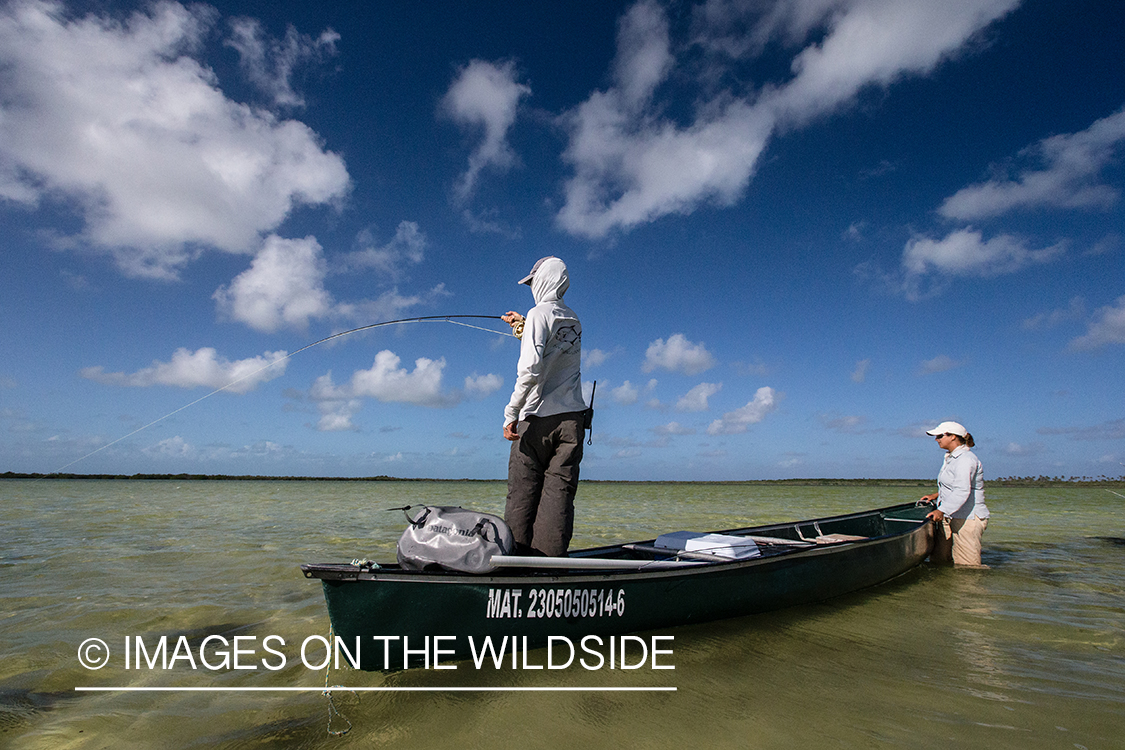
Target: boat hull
(387,614)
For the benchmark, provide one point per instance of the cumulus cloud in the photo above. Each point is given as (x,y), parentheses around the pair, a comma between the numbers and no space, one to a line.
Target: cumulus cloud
(389,305)
(965,253)
(173,447)
(632,163)
(673,428)
(696,398)
(625,394)
(1107,327)
(406,248)
(874,42)
(121,120)
(1069,179)
(284,286)
(388,381)
(631,167)
(594,357)
(677,354)
(765,401)
(203,367)
(269,63)
(479,386)
(336,405)
(485,96)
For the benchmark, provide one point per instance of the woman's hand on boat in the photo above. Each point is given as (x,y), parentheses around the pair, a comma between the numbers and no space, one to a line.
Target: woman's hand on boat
(936,516)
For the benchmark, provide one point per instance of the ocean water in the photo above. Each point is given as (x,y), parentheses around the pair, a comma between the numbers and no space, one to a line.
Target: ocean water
(1029,653)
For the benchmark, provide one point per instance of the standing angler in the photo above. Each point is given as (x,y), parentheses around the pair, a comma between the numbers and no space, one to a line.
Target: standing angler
(545,417)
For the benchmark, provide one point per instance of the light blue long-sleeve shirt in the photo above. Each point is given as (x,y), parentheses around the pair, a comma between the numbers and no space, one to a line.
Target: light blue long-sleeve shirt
(961,485)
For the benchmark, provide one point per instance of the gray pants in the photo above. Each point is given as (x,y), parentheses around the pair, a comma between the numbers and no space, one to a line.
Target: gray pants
(542,482)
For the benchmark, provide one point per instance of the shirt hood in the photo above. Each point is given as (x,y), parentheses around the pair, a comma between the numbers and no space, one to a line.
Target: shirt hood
(550,281)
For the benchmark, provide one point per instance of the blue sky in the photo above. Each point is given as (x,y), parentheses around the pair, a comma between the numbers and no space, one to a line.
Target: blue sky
(798,233)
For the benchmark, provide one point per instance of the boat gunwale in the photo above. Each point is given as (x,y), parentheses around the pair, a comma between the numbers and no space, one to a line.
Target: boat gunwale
(345,572)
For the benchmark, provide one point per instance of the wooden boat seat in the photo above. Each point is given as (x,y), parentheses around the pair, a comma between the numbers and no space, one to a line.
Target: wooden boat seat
(837,538)
(822,538)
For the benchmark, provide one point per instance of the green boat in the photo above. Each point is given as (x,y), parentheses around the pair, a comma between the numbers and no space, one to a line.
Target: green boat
(593,601)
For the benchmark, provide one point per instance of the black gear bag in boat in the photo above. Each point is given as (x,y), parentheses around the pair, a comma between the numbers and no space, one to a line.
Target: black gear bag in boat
(454,539)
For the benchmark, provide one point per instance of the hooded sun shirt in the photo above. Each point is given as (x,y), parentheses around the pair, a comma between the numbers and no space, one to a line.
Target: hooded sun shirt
(548,376)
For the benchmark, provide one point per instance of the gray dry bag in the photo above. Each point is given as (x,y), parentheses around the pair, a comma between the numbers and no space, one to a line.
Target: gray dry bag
(454,539)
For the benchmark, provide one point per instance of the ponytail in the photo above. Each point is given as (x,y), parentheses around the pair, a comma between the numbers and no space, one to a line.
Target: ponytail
(968,440)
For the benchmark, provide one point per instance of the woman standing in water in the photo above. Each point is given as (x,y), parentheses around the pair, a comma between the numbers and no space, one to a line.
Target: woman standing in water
(961,515)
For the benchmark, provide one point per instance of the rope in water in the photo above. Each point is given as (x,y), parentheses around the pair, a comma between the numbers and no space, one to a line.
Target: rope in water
(454,319)
(332,710)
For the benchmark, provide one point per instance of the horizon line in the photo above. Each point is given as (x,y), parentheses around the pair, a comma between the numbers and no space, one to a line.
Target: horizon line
(451,689)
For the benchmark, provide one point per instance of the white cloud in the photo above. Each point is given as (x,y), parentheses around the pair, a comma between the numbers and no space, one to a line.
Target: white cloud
(633,164)
(1069,179)
(625,394)
(966,253)
(594,357)
(696,398)
(479,386)
(173,447)
(1107,327)
(765,401)
(284,286)
(940,363)
(859,374)
(630,166)
(121,121)
(677,354)
(407,247)
(269,63)
(387,306)
(875,42)
(486,96)
(387,381)
(673,428)
(203,367)
(336,405)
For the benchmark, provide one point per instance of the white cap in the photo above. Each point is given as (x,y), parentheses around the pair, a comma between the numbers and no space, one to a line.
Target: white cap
(527,279)
(953,428)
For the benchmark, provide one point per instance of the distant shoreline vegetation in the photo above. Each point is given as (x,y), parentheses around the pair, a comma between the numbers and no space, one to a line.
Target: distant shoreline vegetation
(1039,481)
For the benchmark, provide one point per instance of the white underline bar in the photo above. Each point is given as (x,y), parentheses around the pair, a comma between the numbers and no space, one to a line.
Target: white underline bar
(342,688)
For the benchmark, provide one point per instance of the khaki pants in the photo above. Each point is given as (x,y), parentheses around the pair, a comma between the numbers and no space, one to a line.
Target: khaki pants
(542,482)
(957,540)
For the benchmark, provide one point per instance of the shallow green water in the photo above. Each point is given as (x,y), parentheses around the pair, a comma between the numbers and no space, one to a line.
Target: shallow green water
(1027,654)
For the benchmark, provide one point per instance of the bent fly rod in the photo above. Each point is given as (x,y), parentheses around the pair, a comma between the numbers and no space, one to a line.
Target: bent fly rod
(454,319)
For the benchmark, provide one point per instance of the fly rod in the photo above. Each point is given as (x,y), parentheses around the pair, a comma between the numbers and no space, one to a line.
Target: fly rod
(454,319)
